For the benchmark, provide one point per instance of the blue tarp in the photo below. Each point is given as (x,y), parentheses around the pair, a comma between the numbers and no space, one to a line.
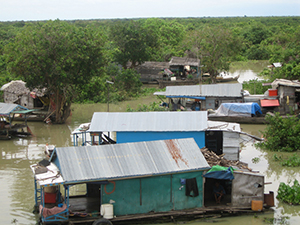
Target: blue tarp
(221,173)
(237,109)
(250,107)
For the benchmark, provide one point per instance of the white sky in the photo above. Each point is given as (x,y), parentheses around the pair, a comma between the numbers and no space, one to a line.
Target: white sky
(16,10)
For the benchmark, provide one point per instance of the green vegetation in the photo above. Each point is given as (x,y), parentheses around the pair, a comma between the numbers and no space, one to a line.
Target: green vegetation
(56,55)
(255,160)
(215,46)
(289,194)
(255,87)
(154,106)
(292,161)
(281,134)
(279,220)
(74,59)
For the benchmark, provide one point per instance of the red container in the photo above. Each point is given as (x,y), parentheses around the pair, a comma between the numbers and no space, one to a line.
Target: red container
(50,197)
(273,92)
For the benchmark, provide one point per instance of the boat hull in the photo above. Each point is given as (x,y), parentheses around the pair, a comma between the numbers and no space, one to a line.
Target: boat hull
(239,119)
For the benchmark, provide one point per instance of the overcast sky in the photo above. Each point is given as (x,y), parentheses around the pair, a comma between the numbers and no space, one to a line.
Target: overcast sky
(12,10)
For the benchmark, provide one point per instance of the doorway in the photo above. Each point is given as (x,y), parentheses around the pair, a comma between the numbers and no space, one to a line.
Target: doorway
(214,141)
(209,198)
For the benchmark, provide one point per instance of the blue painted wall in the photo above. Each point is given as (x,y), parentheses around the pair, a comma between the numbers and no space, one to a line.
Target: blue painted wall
(158,194)
(126,137)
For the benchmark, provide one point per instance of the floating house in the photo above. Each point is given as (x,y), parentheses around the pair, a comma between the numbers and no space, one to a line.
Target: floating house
(174,72)
(16,92)
(287,93)
(124,127)
(141,180)
(134,178)
(8,129)
(282,97)
(152,72)
(202,97)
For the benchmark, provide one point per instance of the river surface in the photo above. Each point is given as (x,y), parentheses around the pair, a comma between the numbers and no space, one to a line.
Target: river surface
(16,178)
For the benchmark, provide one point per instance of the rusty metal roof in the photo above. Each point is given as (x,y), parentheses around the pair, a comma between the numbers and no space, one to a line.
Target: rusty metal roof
(148,121)
(206,90)
(128,160)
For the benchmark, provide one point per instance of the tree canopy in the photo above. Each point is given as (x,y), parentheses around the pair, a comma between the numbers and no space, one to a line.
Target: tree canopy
(133,43)
(59,56)
(215,46)
(80,47)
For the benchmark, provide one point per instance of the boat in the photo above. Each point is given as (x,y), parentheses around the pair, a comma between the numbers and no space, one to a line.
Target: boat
(225,77)
(248,113)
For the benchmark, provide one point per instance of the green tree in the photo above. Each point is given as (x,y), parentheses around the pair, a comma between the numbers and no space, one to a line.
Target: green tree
(281,134)
(127,83)
(169,35)
(134,43)
(58,56)
(256,32)
(215,46)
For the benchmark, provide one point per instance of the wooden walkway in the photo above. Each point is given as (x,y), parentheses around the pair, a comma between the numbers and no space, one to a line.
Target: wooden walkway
(85,210)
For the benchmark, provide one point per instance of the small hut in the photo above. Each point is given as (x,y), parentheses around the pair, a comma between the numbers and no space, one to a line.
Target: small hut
(288,94)
(184,66)
(151,72)
(16,92)
(202,97)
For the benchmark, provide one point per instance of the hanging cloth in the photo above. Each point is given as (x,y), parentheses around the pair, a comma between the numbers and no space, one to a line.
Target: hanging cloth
(191,186)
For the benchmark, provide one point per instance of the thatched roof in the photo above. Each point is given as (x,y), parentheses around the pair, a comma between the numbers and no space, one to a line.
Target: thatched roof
(154,65)
(178,61)
(17,87)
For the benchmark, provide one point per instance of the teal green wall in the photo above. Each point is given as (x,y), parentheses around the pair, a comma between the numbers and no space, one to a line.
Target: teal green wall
(158,193)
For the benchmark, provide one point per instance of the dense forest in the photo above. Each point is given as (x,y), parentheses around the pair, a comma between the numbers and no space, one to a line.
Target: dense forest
(74,59)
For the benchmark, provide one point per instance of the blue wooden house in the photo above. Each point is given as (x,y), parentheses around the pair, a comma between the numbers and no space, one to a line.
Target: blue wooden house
(149,126)
(137,178)
(220,137)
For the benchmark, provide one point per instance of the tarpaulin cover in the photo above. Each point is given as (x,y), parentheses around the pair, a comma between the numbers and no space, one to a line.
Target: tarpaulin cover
(220,172)
(238,109)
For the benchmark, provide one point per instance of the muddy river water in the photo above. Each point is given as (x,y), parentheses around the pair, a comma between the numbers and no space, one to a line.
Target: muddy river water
(16,179)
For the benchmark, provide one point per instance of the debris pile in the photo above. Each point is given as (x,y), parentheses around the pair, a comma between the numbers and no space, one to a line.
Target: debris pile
(214,159)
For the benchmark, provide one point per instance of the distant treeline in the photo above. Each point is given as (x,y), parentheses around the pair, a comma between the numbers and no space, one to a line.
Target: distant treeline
(126,43)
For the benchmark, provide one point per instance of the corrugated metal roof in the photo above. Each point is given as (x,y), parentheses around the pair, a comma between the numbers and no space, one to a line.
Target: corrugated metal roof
(223,126)
(179,61)
(186,90)
(7,108)
(148,121)
(206,90)
(104,162)
(284,82)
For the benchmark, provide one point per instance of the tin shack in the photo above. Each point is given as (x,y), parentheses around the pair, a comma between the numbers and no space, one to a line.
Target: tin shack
(288,94)
(202,97)
(119,180)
